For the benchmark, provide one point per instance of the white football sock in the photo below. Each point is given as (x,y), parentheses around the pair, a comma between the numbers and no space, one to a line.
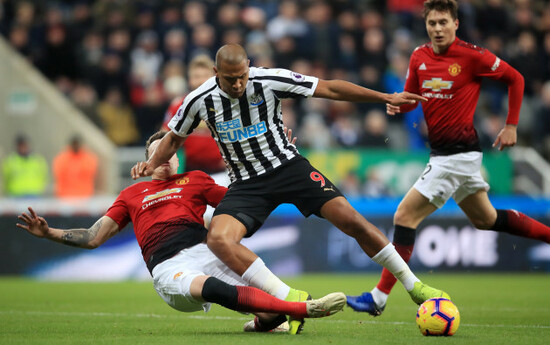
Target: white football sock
(379,297)
(259,276)
(393,262)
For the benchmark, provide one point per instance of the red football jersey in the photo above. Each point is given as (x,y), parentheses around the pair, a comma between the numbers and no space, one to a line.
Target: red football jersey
(451,81)
(201,150)
(160,209)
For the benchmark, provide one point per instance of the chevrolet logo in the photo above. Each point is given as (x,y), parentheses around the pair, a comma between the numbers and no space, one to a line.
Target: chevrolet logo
(437,84)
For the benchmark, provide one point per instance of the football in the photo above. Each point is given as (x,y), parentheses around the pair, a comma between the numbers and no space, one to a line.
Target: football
(438,316)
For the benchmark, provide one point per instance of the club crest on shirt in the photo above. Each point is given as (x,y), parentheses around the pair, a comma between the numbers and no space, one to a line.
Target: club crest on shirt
(182,181)
(455,69)
(256,99)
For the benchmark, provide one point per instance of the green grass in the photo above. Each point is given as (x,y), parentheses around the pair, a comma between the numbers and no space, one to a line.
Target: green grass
(495,309)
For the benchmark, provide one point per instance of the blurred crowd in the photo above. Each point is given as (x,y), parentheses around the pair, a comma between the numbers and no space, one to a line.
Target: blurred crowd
(122,62)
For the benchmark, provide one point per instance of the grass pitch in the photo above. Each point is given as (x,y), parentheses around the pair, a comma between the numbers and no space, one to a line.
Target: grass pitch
(495,309)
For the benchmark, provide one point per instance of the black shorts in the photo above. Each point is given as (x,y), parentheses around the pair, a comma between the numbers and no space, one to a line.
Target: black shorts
(297,182)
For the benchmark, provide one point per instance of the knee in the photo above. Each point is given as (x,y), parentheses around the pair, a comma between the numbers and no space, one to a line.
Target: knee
(221,235)
(483,223)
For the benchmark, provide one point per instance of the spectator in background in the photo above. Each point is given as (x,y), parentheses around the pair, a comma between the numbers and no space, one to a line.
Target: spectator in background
(24,173)
(117,119)
(75,171)
(541,140)
(394,81)
(375,130)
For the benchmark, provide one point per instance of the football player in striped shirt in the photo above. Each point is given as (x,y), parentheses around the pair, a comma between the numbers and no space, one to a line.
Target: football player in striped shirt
(242,107)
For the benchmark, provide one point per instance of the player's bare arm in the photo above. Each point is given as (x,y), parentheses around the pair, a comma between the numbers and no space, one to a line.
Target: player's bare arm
(506,137)
(342,90)
(167,147)
(90,238)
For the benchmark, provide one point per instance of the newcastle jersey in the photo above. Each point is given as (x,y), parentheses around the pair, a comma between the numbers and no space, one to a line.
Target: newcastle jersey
(248,130)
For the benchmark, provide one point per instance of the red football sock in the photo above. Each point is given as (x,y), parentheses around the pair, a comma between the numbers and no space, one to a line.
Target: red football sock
(517,223)
(250,299)
(403,240)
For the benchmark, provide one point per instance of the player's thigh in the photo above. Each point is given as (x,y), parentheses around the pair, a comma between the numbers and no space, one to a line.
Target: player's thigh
(413,209)
(438,182)
(245,204)
(305,187)
(479,209)
(173,279)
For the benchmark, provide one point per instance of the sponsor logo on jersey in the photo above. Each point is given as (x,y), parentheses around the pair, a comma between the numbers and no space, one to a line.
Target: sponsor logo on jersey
(182,181)
(437,84)
(422,67)
(455,69)
(256,100)
(161,194)
(437,95)
(232,131)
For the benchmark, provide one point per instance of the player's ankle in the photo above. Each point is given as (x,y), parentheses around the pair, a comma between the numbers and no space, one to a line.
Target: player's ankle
(379,297)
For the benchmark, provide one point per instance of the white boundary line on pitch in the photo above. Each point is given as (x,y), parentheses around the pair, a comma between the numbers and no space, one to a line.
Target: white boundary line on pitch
(236,318)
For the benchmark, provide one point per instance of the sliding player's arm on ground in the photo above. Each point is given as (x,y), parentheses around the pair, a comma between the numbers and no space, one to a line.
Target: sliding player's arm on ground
(90,238)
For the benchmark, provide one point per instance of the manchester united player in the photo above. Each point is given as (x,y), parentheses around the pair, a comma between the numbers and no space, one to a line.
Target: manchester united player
(167,217)
(448,72)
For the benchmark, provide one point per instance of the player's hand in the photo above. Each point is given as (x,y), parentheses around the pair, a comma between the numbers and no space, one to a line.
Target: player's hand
(141,169)
(404,97)
(34,224)
(288,133)
(392,109)
(506,138)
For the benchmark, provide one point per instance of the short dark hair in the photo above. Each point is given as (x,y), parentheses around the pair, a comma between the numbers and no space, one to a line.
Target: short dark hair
(441,6)
(158,135)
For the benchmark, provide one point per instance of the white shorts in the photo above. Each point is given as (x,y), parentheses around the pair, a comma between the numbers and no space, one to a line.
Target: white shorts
(172,278)
(455,176)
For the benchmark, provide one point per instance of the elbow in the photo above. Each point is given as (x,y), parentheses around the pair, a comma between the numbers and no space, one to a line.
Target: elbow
(92,245)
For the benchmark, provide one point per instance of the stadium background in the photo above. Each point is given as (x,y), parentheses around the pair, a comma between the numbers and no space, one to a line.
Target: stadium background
(64,60)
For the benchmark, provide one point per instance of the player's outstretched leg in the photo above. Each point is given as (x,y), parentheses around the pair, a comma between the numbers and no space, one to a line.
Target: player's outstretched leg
(295,324)
(422,292)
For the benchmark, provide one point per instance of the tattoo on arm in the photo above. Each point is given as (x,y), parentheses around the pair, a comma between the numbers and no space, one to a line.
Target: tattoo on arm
(81,237)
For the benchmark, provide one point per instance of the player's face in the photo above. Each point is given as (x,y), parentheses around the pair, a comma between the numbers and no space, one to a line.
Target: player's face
(167,169)
(199,75)
(233,78)
(442,29)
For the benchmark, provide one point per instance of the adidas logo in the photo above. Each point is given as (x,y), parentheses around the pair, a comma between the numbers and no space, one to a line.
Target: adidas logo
(422,67)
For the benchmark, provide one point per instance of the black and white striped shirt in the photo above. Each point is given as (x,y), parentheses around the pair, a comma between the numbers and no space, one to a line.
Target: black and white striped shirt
(248,130)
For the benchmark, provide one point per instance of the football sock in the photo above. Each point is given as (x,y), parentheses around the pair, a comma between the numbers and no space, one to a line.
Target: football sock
(403,240)
(259,276)
(517,223)
(379,297)
(390,259)
(249,299)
